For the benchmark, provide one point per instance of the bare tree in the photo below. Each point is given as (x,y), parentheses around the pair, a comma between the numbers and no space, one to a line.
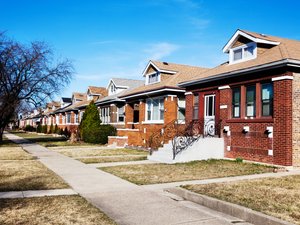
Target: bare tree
(28,75)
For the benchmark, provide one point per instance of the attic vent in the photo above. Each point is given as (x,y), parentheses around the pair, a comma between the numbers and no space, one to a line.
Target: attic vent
(263,35)
(165,63)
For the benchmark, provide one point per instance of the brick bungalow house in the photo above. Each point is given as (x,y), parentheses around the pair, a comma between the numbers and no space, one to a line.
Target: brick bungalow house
(70,116)
(112,108)
(254,96)
(155,104)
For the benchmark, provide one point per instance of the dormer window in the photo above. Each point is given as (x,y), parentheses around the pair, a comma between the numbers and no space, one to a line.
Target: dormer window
(243,53)
(112,89)
(153,78)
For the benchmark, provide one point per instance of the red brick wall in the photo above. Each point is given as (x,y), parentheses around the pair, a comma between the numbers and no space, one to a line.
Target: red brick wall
(189,107)
(283,99)
(255,145)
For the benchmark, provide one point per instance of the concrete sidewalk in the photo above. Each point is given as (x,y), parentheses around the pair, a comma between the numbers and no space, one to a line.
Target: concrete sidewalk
(124,202)
(36,193)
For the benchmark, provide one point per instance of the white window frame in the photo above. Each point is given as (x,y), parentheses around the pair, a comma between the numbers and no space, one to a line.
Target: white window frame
(157,73)
(68,122)
(244,58)
(181,103)
(118,110)
(57,119)
(76,118)
(104,115)
(160,108)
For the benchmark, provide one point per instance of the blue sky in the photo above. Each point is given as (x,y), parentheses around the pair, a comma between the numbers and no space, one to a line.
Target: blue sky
(117,38)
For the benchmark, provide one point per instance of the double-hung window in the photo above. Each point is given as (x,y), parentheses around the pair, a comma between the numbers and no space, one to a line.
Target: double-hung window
(243,53)
(196,106)
(155,109)
(267,99)
(250,101)
(153,78)
(68,117)
(236,102)
(181,109)
(121,114)
(76,118)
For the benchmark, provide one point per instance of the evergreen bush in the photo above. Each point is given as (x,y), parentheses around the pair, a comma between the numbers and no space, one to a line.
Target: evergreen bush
(51,129)
(44,129)
(90,128)
(56,129)
(39,128)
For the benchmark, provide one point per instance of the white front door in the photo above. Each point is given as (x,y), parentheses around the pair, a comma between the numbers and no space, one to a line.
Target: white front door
(209,114)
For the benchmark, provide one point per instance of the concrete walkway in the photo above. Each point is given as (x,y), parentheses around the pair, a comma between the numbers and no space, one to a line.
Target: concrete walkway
(37,193)
(124,202)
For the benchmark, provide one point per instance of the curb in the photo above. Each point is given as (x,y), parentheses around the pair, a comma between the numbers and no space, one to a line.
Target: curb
(241,212)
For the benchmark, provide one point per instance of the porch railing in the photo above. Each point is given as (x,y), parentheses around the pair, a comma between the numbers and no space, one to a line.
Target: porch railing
(183,134)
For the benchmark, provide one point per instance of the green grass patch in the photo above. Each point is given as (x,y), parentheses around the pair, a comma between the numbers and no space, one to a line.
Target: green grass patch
(196,170)
(278,197)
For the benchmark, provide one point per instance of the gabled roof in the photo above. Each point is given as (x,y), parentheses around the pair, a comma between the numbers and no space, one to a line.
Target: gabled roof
(124,83)
(53,103)
(97,90)
(183,73)
(129,83)
(78,95)
(162,67)
(287,52)
(255,37)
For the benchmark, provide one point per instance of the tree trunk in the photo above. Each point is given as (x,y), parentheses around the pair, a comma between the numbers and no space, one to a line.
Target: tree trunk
(1,135)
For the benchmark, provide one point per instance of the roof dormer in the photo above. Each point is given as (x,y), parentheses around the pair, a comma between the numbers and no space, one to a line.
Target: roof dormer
(152,72)
(243,46)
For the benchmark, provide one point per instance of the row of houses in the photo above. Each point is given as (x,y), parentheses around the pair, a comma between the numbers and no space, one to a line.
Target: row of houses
(250,102)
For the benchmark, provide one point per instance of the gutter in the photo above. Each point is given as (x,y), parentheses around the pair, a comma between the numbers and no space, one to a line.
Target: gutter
(278,64)
(147,93)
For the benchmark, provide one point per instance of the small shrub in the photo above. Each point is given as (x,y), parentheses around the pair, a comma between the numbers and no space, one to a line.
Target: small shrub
(51,129)
(239,160)
(44,129)
(66,132)
(39,128)
(56,129)
(105,131)
(29,128)
(61,131)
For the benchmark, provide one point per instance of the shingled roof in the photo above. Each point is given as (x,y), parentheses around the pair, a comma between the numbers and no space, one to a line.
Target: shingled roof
(79,96)
(97,90)
(181,73)
(286,49)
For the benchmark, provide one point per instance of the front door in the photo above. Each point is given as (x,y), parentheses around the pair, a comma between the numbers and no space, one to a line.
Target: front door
(209,114)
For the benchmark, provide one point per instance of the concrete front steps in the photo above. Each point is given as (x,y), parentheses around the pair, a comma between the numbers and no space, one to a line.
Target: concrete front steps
(201,149)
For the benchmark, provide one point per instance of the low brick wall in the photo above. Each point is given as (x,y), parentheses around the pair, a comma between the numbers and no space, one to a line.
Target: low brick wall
(117,141)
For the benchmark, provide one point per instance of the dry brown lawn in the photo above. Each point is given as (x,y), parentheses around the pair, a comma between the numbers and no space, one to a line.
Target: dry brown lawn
(112,159)
(279,197)
(59,210)
(19,175)
(7,143)
(100,152)
(197,170)
(14,153)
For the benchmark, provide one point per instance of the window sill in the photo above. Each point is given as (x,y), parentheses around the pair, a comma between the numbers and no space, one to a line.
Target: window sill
(254,120)
(153,122)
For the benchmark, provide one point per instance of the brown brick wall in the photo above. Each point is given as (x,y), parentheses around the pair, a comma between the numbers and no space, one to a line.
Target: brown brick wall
(170,105)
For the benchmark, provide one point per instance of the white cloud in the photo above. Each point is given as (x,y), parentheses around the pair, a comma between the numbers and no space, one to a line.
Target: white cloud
(199,23)
(159,50)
